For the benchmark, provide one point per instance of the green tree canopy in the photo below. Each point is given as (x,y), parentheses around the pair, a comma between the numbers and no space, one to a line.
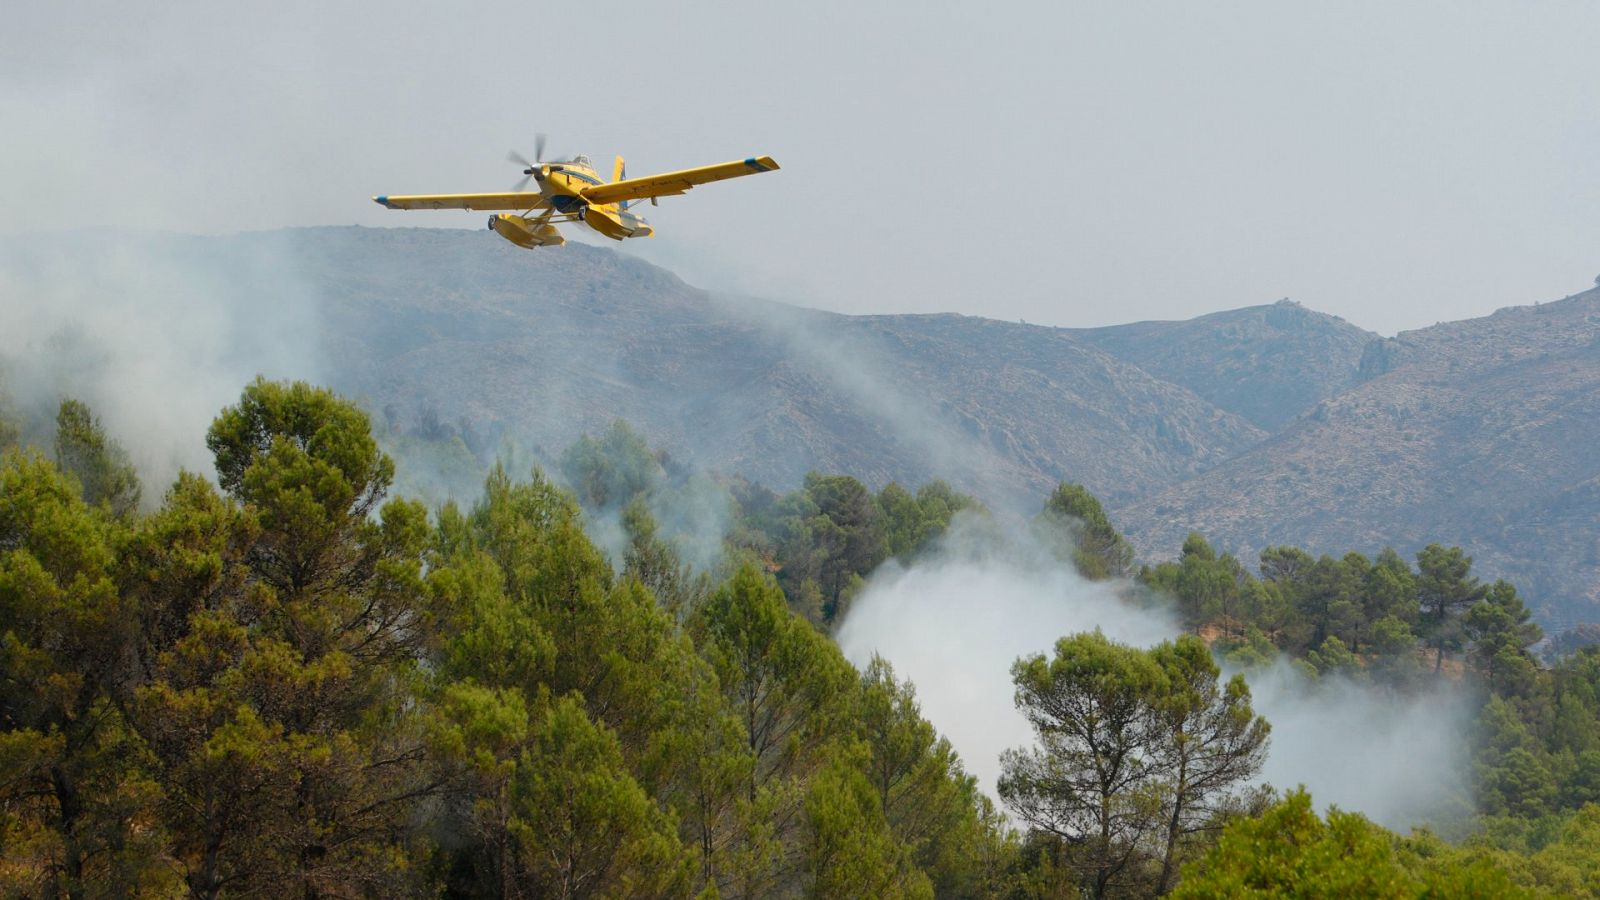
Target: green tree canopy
(65,631)
(99,464)
(931,804)
(1210,742)
(1289,851)
(848,530)
(1445,590)
(277,708)
(1140,753)
(913,521)
(1501,628)
(1077,526)
(583,826)
(1089,780)
(613,470)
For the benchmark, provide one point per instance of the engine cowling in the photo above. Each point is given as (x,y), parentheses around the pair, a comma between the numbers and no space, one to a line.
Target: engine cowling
(525,232)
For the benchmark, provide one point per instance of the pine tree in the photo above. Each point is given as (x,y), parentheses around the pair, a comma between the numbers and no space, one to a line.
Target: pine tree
(278,702)
(1211,741)
(1077,526)
(1445,590)
(99,464)
(1088,783)
(65,629)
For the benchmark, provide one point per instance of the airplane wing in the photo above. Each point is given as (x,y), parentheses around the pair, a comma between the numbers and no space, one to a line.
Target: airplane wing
(669,183)
(521,200)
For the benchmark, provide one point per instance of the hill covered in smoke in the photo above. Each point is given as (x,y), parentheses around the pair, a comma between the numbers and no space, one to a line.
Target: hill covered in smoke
(548,346)
(1265,424)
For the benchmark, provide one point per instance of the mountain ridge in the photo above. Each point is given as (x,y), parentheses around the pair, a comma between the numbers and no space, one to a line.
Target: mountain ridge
(1477,432)
(1283,359)
(1265,424)
(601,336)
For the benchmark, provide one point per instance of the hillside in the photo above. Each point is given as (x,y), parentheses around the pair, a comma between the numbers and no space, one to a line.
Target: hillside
(1479,433)
(1269,424)
(1267,363)
(1473,432)
(546,346)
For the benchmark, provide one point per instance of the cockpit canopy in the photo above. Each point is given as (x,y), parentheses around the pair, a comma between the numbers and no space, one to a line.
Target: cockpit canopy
(581,160)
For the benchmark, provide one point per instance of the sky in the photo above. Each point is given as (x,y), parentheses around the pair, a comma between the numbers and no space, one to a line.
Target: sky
(1060,163)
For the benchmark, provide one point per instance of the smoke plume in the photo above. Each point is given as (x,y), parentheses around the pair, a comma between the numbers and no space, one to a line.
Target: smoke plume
(953,624)
(156,333)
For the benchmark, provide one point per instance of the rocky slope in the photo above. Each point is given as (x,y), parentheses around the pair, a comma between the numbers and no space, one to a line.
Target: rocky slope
(1270,424)
(1268,364)
(1480,433)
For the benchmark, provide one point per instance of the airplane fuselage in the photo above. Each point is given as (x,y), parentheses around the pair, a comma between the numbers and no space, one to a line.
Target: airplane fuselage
(562,184)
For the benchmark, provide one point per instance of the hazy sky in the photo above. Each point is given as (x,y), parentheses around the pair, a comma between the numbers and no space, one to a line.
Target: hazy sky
(1063,163)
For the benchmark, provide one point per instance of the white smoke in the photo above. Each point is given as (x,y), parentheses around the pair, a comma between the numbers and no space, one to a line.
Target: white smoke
(853,365)
(1401,760)
(155,333)
(954,623)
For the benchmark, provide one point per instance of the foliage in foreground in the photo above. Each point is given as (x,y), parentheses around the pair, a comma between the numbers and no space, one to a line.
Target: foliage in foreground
(297,685)
(1289,851)
(1141,754)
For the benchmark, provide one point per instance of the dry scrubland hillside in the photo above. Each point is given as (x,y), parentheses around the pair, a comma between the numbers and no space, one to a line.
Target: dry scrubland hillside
(551,345)
(1266,363)
(1268,424)
(1481,432)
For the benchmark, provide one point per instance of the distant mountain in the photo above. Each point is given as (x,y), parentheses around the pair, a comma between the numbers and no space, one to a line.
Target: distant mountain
(550,345)
(1481,433)
(1266,363)
(1269,424)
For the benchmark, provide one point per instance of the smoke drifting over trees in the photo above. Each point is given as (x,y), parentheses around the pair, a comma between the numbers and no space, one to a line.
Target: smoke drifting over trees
(298,674)
(954,622)
(154,333)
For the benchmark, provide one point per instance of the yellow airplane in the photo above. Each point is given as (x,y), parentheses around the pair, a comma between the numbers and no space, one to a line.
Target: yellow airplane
(572,191)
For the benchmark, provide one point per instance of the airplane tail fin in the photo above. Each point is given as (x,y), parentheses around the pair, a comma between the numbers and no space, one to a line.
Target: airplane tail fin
(619,172)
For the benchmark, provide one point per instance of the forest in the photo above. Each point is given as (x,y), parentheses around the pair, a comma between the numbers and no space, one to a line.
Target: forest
(284,678)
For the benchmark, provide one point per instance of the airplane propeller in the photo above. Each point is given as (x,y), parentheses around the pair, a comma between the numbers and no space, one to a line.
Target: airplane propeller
(527,171)
(528,167)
